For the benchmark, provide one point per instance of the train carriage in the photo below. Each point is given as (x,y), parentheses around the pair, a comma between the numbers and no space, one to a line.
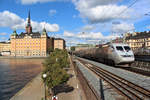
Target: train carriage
(113,53)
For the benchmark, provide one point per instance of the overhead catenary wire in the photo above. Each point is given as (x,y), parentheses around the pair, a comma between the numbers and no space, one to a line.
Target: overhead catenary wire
(128,7)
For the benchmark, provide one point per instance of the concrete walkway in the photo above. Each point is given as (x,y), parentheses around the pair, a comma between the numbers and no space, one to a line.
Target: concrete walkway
(34,90)
(77,93)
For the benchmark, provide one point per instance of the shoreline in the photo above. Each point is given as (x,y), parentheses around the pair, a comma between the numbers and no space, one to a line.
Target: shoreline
(22,91)
(21,57)
(18,72)
(35,89)
(25,86)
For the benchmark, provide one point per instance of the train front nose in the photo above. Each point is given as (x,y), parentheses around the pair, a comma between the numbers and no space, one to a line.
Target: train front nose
(126,59)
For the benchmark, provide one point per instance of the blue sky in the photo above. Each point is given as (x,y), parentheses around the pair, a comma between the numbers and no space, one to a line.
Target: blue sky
(77,21)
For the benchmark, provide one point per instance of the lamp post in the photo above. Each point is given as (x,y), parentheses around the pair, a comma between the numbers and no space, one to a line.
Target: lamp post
(44,76)
(56,59)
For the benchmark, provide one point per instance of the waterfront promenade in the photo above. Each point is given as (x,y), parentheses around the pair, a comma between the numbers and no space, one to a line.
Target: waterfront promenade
(34,90)
(77,93)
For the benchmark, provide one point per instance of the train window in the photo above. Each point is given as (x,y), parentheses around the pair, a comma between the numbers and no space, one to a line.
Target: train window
(127,48)
(119,48)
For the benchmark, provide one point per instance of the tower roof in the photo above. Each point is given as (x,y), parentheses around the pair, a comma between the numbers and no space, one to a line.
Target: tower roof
(28,27)
(14,33)
(29,23)
(44,32)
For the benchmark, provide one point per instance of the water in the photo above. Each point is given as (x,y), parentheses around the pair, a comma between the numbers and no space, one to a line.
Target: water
(15,73)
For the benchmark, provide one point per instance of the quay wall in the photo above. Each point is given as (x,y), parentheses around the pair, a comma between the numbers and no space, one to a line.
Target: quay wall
(33,90)
(23,57)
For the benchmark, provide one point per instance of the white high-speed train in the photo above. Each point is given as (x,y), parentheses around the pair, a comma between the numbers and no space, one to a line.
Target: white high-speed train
(113,53)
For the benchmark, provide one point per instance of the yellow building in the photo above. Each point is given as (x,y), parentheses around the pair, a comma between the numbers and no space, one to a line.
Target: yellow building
(139,40)
(5,48)
(30,43)
(59,43)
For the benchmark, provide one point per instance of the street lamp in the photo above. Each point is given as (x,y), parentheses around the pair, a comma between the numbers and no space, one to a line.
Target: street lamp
(56,59)
(44,76)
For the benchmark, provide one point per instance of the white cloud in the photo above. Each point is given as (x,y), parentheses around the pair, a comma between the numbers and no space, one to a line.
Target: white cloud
(88,28)
(3,38)
(3,33)
(93,3)
(9,19)
(101,10)
(68,34)
(148,27)
(83,35)
(38,26)
(122,28)
(25,2)
(84,38)
(89,37)
(52,12)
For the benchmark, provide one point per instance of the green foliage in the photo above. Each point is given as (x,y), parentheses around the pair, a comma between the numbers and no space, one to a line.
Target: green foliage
(54,68)
(73,48)
(50,50)
(42,98)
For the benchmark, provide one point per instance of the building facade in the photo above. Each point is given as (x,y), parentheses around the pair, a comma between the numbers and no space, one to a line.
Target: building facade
(32,43)
(138,40)
(59,43)
(118,40)
(5,48)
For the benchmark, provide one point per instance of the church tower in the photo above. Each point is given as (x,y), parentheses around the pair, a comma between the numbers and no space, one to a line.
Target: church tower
(28,27)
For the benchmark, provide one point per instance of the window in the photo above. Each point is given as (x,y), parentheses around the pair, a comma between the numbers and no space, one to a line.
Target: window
(127,48)
(119,48)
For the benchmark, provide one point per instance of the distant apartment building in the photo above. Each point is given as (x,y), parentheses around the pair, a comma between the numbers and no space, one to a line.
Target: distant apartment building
(138,40)
(84,46)
(80,48)
(5,48)
(118,40)
(59,43)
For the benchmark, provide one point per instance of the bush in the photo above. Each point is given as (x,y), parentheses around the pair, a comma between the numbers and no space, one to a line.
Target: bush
(54,68)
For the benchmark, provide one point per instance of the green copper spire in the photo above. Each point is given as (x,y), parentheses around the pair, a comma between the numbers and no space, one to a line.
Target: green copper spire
(14,33)
(29,23)
(44,32)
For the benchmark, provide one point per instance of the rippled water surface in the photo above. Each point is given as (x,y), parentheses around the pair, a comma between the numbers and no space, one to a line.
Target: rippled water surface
(15,73)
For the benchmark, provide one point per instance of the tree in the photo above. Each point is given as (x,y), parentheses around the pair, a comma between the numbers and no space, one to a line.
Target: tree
(54,68)
(50,50)
(73,48)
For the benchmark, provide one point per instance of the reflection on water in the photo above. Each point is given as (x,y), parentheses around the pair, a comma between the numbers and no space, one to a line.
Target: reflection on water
(15,73)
